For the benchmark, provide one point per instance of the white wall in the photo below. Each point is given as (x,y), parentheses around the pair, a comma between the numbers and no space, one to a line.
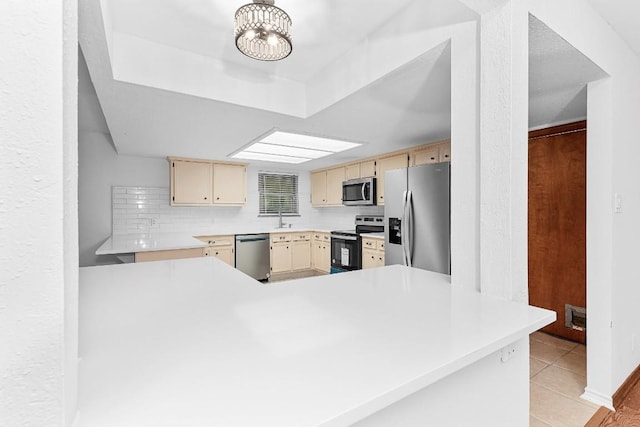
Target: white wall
(38,262)
(100,167)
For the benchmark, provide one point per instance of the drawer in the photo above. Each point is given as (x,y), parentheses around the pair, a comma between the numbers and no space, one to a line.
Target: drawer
(300,236)
(217,240)
(369,243)
(280,237)
(323,237)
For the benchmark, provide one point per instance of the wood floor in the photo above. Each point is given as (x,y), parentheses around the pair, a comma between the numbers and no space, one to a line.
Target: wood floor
(628,415)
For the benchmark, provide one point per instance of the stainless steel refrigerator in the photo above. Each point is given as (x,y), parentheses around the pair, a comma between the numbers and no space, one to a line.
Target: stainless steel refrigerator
(417,217)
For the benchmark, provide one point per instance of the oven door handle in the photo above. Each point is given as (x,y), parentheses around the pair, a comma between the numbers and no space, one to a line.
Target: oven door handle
(335,236)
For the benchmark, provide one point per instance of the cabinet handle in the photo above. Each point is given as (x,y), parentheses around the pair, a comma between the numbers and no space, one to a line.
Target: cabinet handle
(217,198)
(205,198)
(217,253)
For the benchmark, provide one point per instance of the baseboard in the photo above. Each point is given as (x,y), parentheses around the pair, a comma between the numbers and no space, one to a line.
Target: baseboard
(597,398)
(623,391)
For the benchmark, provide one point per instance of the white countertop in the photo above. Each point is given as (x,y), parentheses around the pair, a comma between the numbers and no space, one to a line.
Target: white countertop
(129,243)
(197,343)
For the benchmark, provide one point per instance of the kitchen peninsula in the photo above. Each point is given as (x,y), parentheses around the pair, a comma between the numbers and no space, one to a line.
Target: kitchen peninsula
(197,343)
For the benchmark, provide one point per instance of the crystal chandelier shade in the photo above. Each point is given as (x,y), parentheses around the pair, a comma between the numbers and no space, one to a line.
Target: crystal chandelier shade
(263,31)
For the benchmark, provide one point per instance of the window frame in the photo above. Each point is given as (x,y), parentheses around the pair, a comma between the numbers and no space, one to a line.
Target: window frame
(263,196)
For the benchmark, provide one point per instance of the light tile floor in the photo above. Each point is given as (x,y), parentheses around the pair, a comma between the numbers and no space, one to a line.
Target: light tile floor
(558,376)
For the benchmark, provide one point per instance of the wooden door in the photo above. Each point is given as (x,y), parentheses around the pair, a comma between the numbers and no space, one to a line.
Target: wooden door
(394,162)
(352,171)
(368,169)
(229,184)
(557,222)
(335,177)
(426,156)
(190,183)
(280,257)
(319,188)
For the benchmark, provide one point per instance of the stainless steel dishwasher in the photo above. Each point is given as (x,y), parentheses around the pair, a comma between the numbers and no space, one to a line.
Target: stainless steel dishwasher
(252,255)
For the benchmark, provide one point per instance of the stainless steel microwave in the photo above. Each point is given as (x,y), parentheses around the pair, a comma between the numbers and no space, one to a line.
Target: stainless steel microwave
(359,192)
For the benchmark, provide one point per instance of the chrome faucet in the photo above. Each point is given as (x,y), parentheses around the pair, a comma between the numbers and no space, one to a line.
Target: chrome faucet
(280,223)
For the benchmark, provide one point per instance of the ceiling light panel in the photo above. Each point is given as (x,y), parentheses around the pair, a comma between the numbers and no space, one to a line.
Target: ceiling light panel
(286,150)
(308,141)
(269,157)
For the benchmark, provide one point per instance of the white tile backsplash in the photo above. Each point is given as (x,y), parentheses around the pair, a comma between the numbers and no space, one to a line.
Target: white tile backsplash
(146,209)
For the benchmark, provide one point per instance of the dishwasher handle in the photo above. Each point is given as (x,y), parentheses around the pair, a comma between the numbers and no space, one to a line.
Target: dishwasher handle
(252,238)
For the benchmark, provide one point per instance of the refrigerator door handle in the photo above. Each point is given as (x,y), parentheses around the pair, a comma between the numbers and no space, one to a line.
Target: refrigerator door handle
(403,228)
(409,234)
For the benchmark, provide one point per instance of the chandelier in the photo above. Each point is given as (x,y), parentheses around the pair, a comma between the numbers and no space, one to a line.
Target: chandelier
(263,31)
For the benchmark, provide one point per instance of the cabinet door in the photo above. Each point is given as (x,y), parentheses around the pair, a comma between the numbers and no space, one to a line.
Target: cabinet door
(352,171)
(445,152)
(369,258)
(280,257)
(301,255)
(229,184)
(325,257)
(335,177)
(190,183)
(425,156)
(388,163)
(319,188)
(380,259)
(224,253)
(368,169)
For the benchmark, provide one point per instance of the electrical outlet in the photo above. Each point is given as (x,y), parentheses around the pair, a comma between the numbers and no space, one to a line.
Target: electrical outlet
(154,222)
(506,353)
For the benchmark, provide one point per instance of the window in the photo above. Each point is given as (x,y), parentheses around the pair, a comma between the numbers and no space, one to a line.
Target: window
(278,193)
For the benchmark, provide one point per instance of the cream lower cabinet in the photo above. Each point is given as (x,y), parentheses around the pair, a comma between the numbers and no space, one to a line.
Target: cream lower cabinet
(290,252)
(168,254)
(221,247)
(301,251)
(280,252)
(321,252)
(372,253)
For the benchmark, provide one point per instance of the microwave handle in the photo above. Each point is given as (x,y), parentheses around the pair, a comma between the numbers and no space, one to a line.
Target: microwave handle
(364,193)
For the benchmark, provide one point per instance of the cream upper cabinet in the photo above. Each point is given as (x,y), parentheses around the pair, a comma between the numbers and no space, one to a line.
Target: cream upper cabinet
(193,182)
(368,169)
(425,156)
(326,187)
(388,163)
(190,182)
(319,188)
(335,177)
(352,171)
(229,184)
(445,152)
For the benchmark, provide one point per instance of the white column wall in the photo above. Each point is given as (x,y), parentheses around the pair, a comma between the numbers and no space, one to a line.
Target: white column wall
(36,132)
(503,151)
(465,164)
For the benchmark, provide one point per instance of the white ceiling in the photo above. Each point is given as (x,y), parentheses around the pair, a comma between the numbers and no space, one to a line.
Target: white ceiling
(622,15)
(408,104)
